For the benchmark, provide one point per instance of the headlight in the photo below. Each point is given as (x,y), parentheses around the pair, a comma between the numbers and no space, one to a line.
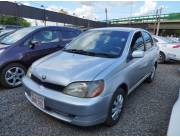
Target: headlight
(85,89)
(29,72)
(1,50)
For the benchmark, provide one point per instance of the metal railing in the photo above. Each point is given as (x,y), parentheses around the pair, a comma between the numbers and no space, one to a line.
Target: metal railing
(143,19)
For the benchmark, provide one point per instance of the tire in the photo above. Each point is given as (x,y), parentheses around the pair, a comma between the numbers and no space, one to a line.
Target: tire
(162,58)
(11,75)
(152,75)
(110,121)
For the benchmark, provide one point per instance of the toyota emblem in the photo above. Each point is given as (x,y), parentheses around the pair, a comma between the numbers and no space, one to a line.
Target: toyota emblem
(43,77)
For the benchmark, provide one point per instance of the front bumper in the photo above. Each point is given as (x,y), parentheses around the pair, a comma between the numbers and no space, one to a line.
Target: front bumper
(74,110)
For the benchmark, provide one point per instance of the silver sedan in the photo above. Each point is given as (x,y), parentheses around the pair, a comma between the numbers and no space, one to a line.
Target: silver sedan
(87,82)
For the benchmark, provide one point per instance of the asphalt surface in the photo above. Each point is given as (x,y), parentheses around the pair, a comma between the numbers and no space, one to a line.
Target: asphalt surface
(147,111)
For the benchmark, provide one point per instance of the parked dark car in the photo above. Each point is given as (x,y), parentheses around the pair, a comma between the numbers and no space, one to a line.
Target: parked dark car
(19,49)
(5,33)
(5,27)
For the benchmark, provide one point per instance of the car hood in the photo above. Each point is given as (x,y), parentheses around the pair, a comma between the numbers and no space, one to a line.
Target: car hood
(64,68)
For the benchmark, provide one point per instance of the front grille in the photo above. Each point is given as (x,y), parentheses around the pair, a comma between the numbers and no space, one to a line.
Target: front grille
(47,85)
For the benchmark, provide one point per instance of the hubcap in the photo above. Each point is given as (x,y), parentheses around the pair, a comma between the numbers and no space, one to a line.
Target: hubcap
(14,75)
(160,58)
(117,107)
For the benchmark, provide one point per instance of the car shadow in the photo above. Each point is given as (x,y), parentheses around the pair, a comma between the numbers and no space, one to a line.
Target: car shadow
(1,88)
(171,62)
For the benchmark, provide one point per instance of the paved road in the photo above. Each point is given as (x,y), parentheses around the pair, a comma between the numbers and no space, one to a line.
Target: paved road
(147,111)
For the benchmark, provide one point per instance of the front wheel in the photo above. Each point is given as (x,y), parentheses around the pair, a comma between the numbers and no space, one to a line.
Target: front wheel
(115,108)
(12,74)
(162,58)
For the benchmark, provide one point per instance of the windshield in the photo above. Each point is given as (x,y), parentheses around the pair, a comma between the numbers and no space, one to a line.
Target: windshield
(14,37)
(99,43)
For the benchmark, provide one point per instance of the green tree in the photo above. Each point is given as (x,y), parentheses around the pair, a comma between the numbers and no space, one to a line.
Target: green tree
(9,20)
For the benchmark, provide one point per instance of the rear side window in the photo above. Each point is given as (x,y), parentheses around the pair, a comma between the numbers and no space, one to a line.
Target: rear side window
(69,34)
(47,36)
(148,40)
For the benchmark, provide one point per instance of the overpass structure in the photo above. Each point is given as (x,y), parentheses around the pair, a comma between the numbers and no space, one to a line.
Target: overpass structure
(19,10)
(168,22)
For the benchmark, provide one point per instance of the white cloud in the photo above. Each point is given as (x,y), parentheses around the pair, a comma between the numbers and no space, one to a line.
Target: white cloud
(148,7)
(106,3)
(54,8)
(86,11)
(26,3)
(90,8)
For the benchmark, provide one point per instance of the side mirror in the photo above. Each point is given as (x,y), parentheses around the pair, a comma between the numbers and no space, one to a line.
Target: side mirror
(33,43)
(138,54)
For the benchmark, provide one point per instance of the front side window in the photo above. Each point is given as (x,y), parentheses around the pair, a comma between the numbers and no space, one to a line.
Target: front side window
(46,36)
(99,43)
(137,42)
(148,40)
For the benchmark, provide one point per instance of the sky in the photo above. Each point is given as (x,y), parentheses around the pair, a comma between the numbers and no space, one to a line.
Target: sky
(95,10)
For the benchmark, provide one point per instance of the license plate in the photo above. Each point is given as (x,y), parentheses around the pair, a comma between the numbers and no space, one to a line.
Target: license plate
(38,100)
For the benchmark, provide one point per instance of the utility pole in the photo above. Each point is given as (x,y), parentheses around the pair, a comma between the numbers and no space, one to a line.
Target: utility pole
(88,23)
(44,14)
(159,20)
(36,23)
(130,16)
(106,16)
(156,20)
(18,4)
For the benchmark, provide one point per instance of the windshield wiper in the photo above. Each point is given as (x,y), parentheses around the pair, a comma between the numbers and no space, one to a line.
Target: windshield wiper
(106,55)
(90,53)
(80,52)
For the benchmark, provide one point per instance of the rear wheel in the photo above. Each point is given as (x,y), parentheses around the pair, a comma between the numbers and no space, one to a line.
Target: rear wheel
(116,107)
(162,57)
(12,74)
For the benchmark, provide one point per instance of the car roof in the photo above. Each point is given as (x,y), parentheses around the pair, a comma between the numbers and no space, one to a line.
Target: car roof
(128,29)
(62,27)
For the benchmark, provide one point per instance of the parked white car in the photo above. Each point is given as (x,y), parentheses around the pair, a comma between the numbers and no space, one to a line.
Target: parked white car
(174,124)
(169,49)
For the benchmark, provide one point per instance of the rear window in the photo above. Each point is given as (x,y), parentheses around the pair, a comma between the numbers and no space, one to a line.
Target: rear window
(69,34)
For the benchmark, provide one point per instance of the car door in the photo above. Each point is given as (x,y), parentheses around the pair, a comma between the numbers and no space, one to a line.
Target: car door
(150,48)
(136,66)
(48,41)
